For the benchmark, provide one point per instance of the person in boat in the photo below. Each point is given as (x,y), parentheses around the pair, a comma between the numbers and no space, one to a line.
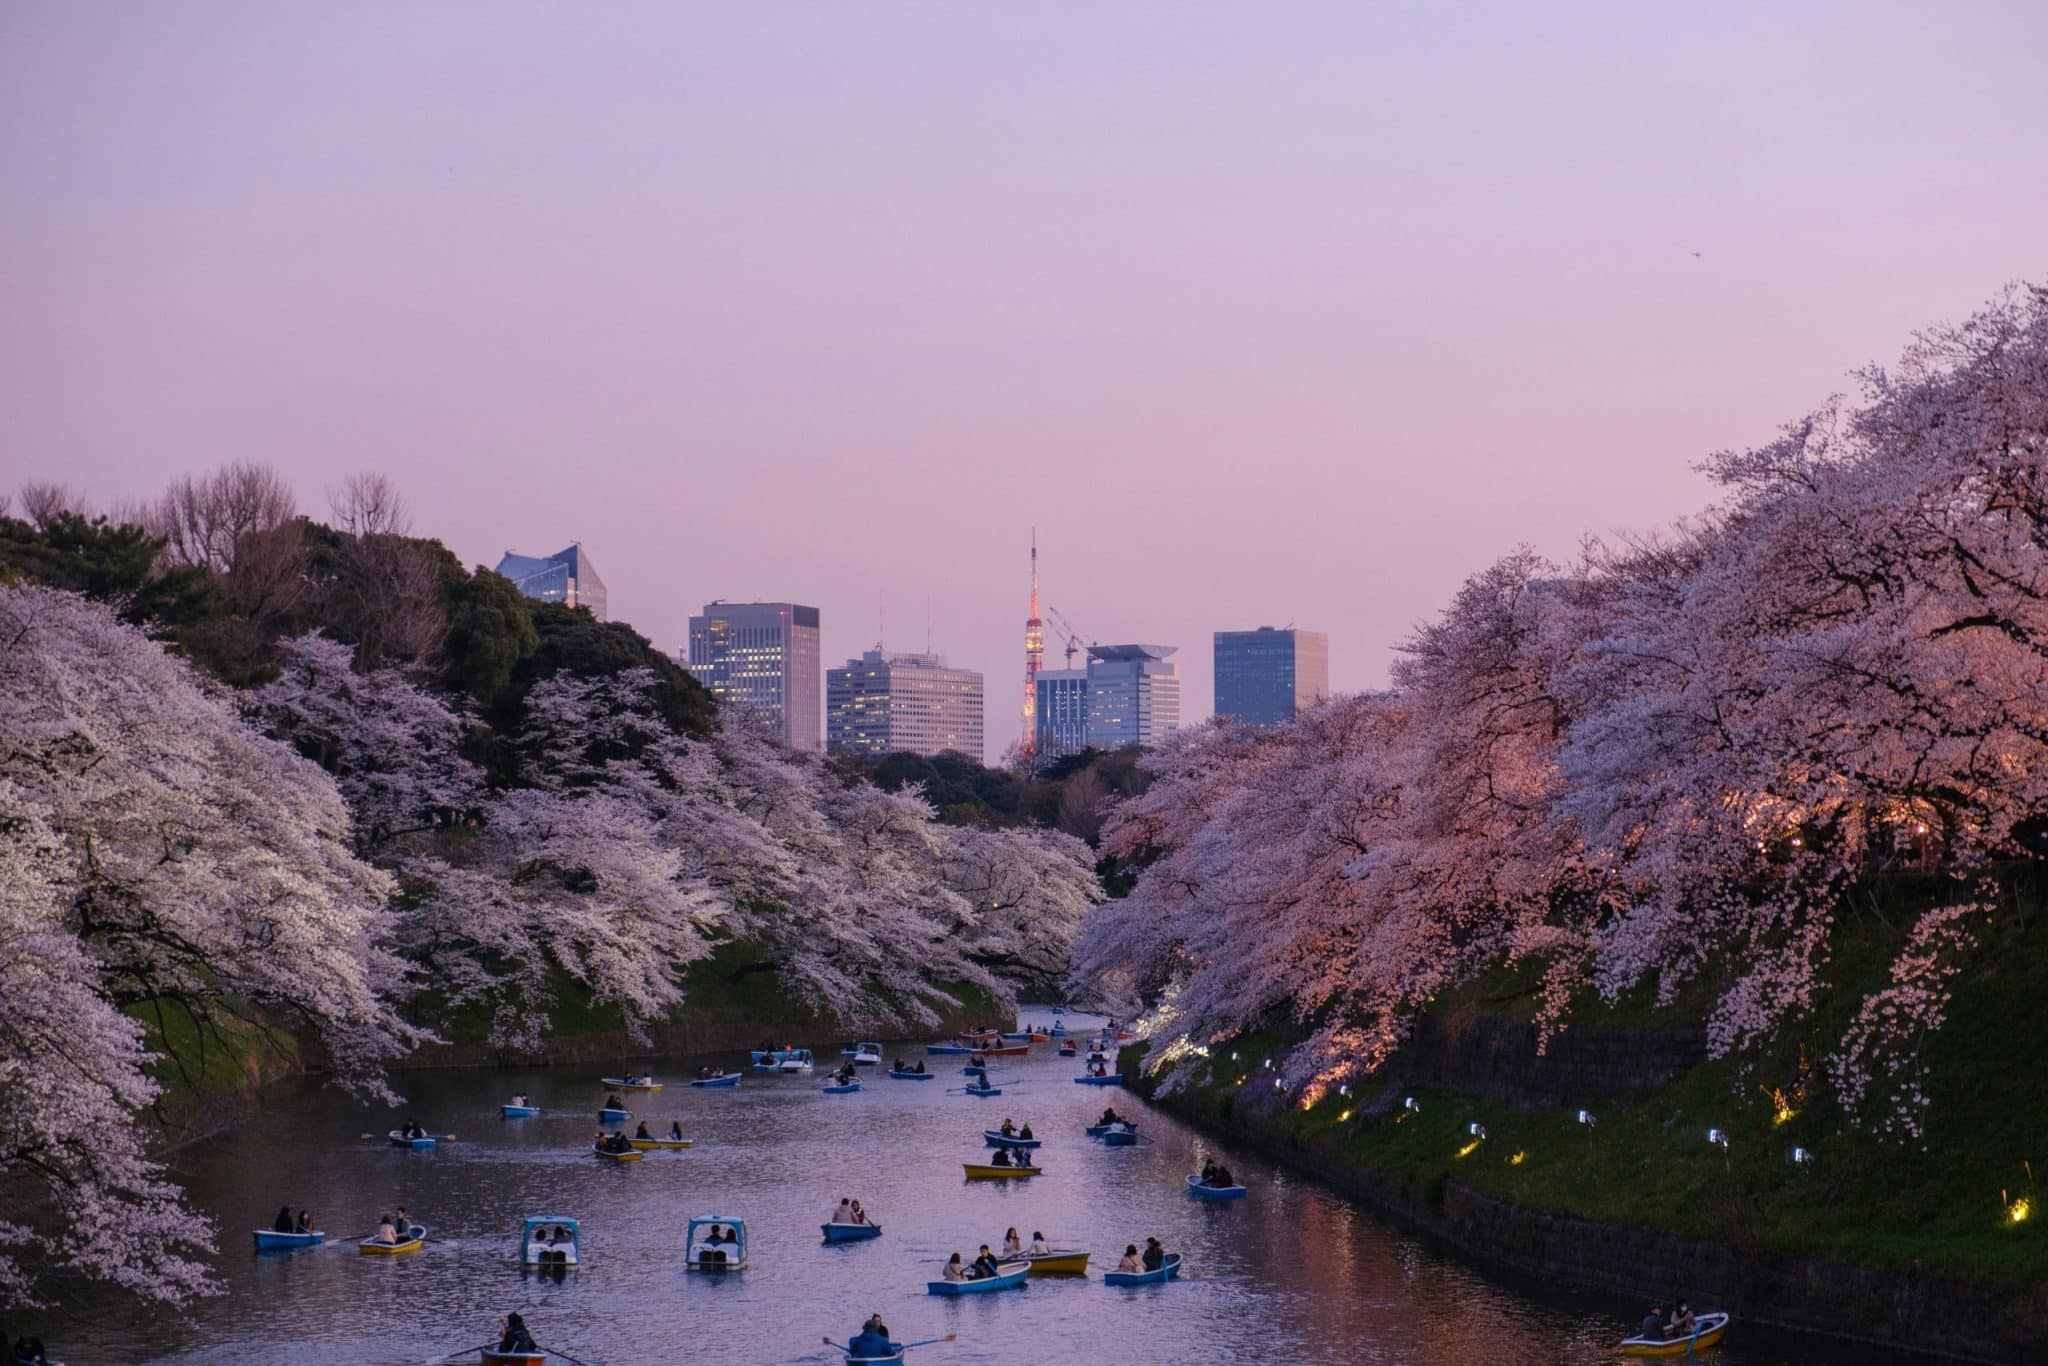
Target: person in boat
(844,1214)
(305,1222)
(1009,1129)
(675,1131)
(1683,1320)
(919,1069)
(1039,1247)
(1219,1177)
(641,1132)
(1001,1159)
(870,1343)
(1025,1133)
(860,1216)
(612,1102)
(1013,1246)
(283,1222)
(513,1335)
(1020,1157)
(28,1351)
(1100,1070)
(1109,1116)
(984,1266)
(402,1222)
(954,1271)
(387,1232)
(520,1101)
(703,1074)
(1652,1325)
(900,1066)
(1155,1255)
(1130,1261)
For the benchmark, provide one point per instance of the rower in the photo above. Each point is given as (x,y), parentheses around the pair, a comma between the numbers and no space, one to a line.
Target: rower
(871,1343)
(1001,1159)
(283,1222)
(984,1266)
(403,1223)
(612,1103)
(1009,1129)
(1155,1255)
(514,1337)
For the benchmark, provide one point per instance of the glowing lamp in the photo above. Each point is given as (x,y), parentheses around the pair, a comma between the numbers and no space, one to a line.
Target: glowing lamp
(1476,1129)
(1801,1157)
(1586,1117)
(1717,1138)
(1410,1103)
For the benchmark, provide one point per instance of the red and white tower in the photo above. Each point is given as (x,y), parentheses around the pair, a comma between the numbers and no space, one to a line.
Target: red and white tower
(1034,659)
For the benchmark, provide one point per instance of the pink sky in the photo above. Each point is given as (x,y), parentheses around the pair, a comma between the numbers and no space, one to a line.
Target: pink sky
(1263,314)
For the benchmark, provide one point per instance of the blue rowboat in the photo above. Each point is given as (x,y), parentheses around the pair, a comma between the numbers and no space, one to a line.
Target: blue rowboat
(997,1140)
(729,1079)
(850,1233)
(1126,1138)
(981,1091)
(1059,1010)
(1059,1031)
(613,1115)
(912,1076)
(399,1140)
(972,1070)
(270,1240)
(840,1090)
(1018,1036)
(518,1111)
(1013,1274)
(1169,1268)
(1113,1079)
(1097,1130)
(947,1050)
(1200,1191)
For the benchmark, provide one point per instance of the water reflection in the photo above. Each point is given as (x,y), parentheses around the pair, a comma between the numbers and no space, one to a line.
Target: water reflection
(1292,1274)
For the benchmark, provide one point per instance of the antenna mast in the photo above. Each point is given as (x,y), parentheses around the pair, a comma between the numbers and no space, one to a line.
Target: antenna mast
(1034,660)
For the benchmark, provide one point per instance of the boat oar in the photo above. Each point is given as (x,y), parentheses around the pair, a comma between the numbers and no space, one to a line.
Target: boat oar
(553,1352)
(436,1361)
(926,1342)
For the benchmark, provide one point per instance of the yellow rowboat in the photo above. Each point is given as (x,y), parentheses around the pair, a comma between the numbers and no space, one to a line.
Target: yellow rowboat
(370,1247)
(621,1084)
(1709,1331)
(630,1155)
(977,1171)
(661,1142)
(1058,1262)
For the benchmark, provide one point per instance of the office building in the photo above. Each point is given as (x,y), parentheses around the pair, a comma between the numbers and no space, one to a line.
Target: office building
(903,703)
(566,577)
(1133,695)
(763,656)
(1061,718)
(1264,677)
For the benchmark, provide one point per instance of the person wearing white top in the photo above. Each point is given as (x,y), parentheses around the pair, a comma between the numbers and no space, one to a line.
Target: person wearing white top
(954,1270)
(1039,1247)
(844,1214)
(1012,1244)
(1130,1261)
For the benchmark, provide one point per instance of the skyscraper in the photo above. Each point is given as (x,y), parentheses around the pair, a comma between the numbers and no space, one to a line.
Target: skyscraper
(903,703)
(763,655)
(1133,695)
(1265,676)
(1062,713)
(566,576)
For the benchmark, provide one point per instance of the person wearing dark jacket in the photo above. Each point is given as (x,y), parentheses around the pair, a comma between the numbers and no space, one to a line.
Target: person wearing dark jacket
(1155,1255)
(1653,1322)
(871,1343)
(283,1222)
(513,1336)
(984,1266)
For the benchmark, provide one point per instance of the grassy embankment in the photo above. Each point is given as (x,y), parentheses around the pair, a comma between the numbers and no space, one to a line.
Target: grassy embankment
(1942,1204)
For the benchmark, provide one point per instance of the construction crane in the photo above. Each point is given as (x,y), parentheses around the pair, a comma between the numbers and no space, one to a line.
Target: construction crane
(1070,638)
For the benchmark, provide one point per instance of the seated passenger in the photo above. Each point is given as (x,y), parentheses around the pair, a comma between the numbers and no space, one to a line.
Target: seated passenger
(1001,1159)
(1155,1255)
(305,1221)
(1012,1245)
(675,1131)
(1025,1133)
(1130,1261)
(844,1214)
(954,1271)
(860,1216)
(1039,1247)
(641,1132)
(283,1222)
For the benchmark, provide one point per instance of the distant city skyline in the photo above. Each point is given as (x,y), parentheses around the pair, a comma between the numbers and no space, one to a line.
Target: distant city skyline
(1283,313)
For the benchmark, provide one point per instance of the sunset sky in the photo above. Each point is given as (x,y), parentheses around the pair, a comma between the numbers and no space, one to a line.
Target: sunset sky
(1274,313)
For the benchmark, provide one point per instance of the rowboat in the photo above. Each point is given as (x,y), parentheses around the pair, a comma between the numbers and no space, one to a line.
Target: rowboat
(1010,1276)
(415,1239)
(1708,1330)
(1197,1188)
(864,1054)
(1058,1262)
(975,1069)
(630,1155)
(493,1357)
(612,1114)
(1124,1036)
(1112,1079)
(1098,1130)
(1058,1031)
(518,1111)
(998,1139)
(978,1171)
(661,1144)
(947,1050)
(1019,1050)
(1067,1050)
(1059,1010)
(772,1056)
(850,1233)
(984,1035)
(550,1242)
(1169,1268)
(1120,1138)
(797,1060)
(1036,1037)
(981,1090)
(622,1084)
(399,1140)
(840,1088)
(270,1240)
(912,1076)
(1017,1036)
(729,1079)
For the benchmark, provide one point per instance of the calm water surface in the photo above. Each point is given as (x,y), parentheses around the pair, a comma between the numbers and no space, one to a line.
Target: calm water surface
(1292,1274)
